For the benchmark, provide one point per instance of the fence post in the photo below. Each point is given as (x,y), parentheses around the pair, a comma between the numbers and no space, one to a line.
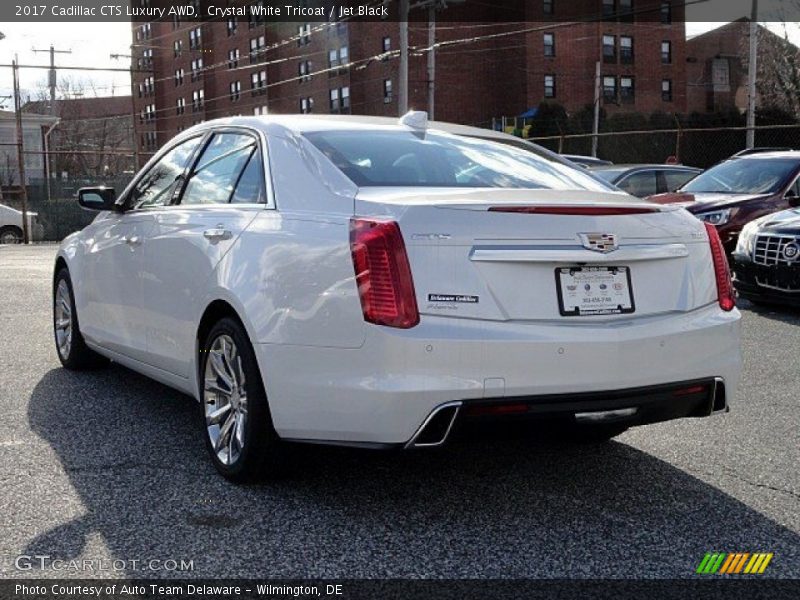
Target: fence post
(678,140)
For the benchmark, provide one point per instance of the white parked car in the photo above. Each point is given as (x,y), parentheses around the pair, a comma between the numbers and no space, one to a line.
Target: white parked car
(11,226)
(369,282)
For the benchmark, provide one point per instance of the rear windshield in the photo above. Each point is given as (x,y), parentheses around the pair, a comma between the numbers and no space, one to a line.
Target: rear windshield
(401,158)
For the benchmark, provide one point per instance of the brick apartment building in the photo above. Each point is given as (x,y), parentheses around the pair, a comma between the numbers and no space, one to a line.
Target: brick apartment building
(205,70)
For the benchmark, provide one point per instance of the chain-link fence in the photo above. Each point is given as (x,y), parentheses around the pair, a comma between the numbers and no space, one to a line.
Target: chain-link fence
(697,147)
(55,203)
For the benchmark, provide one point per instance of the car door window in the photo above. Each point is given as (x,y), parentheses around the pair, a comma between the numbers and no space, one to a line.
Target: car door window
(251,186)
(219,168)
(157,186)
(676,179)
(640,184)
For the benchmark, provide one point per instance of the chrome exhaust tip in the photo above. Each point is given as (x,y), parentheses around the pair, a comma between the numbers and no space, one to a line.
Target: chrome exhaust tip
(605,416)
(436,427)
(719,400)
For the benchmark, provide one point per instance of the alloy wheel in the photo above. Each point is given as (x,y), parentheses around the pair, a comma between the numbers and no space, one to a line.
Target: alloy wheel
(63,319)
(225,399)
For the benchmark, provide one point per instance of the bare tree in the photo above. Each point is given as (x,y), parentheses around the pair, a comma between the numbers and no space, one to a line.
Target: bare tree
(779,69)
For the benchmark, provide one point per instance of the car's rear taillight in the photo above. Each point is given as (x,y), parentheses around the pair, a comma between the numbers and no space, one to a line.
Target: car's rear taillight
(383,274)
(727,299)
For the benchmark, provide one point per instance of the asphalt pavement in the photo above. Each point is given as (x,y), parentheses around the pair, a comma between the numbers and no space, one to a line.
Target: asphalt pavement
(110,465)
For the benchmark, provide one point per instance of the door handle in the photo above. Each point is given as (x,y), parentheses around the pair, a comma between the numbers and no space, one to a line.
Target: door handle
(132,240)
(217,233)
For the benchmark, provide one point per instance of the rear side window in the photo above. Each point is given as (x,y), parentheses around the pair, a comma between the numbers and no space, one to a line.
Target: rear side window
(158,185)
(675,179)
(640,184)
(403,158)
(228,170)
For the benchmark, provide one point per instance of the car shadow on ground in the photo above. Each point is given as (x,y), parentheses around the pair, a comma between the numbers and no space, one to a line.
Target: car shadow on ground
(133,451)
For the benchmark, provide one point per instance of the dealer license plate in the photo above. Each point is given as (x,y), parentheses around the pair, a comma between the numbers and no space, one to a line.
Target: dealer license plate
(585,291)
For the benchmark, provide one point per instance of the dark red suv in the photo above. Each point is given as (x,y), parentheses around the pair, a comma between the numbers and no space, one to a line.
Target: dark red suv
(740,189)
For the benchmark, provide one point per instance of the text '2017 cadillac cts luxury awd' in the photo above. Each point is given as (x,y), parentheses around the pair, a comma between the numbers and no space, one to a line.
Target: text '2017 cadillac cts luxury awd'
(369,282)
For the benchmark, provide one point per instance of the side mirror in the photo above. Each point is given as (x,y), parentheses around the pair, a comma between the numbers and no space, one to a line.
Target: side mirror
(792,199)
(97,198)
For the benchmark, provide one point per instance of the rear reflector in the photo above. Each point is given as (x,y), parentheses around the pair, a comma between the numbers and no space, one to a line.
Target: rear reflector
(383,274)
(590,211)
(725,295)
(695,389)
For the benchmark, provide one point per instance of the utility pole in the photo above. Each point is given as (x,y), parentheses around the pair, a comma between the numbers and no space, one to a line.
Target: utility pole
(51,75)
(133,111)
(752,71)
(431,59)
(20,153)
(402,84)
(596,125)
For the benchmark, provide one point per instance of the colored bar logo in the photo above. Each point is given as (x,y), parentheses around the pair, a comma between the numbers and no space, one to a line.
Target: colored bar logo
(734,563)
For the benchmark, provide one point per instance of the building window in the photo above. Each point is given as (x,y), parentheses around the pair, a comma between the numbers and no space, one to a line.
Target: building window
(340,99)
(197,69)
(260,110)
(387,44)
(627,91)
(666,13)
(150,113)
(626,10)
(176,22)
(257,46)
(549,44)
(666,90)
(387,91)
(666,52)
(233,58)
(198,96)
(625,49)
(610,89)
(149,140)
(304,34)
(306,105)
(304,70)
(177,48)
(146,60)
(258,83)
(338,58)
(609,10)
(609,48)
(144,32)
(233,25)
(180,106)
(179,77)
(195,39)
(549,86)
(236,90)
(547,7)
(256,15)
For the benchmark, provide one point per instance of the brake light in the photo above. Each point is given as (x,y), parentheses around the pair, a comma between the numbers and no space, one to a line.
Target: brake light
(591,211)
(383,274)
(725,295)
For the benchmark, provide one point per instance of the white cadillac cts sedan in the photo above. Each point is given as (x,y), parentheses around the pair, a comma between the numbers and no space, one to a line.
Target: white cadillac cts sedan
(382,283)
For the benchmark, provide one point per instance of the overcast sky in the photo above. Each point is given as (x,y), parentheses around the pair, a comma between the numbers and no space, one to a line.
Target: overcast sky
(92,43)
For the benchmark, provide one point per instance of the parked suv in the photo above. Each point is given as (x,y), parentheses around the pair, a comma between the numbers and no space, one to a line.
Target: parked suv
(740,189)
(767,258)
(647,180)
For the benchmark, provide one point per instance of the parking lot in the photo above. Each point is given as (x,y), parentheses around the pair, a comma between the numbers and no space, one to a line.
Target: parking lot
(108,464)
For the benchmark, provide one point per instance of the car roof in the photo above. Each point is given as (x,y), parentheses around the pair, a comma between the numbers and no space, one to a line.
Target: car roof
(299,124)
(768,155)
(632,167)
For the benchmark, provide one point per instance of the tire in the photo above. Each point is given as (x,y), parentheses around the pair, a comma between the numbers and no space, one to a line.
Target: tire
(71,348)
(238,428)
(10,234)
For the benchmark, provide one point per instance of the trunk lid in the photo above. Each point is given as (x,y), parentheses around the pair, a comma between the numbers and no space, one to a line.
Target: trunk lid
(468,261)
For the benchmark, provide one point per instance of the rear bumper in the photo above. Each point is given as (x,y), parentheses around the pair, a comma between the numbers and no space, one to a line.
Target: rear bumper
(629,407)
(778,284)
(383,392)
